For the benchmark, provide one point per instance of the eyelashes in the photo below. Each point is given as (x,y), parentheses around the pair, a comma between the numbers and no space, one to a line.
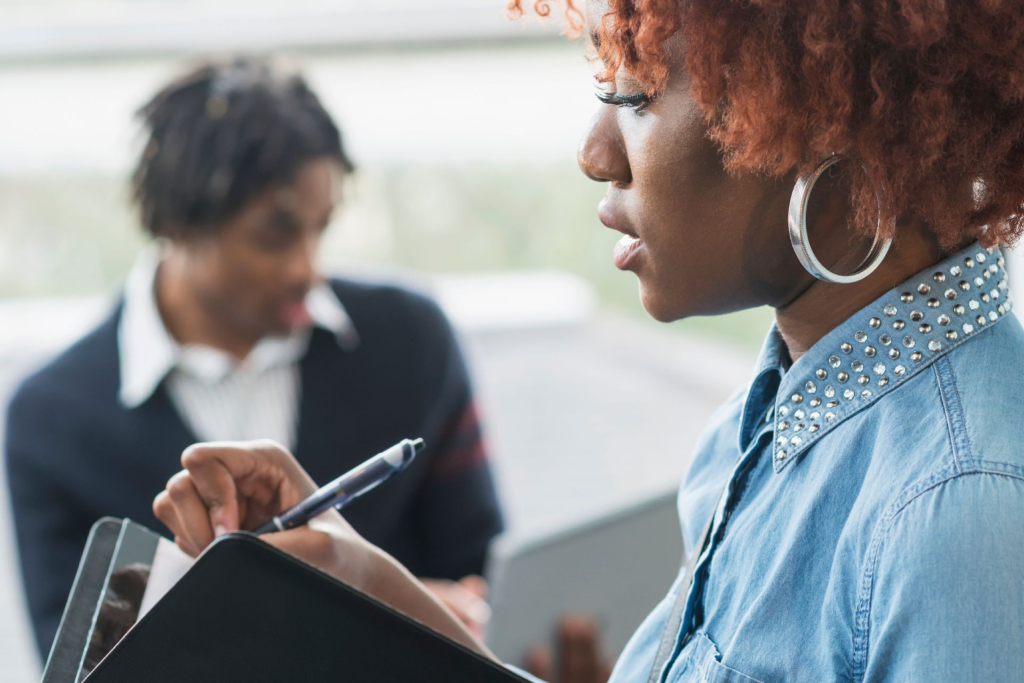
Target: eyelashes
(637,102)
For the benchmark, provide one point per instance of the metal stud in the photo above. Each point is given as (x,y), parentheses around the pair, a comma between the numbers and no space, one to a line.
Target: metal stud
(799,414)
(863,379)
(973,305)
(916,356)
(781,455)
(955,271)
(958,309)
(993,316)
(783,426)
(987,275)
(798,398)
(950,293)
(860,337)
(879,368)
(883,381)
(994,293)
(898,325)
(943,319)
(933,303)
(934,345)
(815,415)
(829,416)
(923,288)
(834,361)
(866,394)
(925,328)
(1001,309)
(846,347)
(796,441)
(967,328)
(939,276)
(821,373)
(783,411)
(782,440)
(978,282)
(848,394)
(916,316)
(813,428)
(980,257)
(875,323)
(964,285)
(856,366)
(969,262)
(890,309)
(831,404)
(885,340)
(1002,285)
(980,320)
(815,402)
(909,342)
(870,351)
(810,387)
(842,377)
(951,335)
(899,370)
(984,297)
(894,353)
(798,427)
(830,391)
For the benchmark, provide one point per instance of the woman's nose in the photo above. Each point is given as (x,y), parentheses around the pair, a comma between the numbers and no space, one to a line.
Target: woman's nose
(602,155)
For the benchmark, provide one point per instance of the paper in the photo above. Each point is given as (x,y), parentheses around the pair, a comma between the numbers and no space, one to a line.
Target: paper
(169,564)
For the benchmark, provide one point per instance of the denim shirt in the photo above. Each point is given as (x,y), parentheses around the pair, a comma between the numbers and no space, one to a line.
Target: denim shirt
(872,526)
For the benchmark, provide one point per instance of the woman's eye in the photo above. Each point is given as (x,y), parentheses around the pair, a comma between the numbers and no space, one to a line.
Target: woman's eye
(637,101)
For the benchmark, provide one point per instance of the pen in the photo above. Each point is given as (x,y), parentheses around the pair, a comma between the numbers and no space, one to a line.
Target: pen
(347,487)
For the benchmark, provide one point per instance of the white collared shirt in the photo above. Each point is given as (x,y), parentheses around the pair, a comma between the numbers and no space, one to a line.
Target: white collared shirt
(218,397)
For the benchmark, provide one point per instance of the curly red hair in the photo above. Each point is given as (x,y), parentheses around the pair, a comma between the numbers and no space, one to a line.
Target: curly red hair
(925,97)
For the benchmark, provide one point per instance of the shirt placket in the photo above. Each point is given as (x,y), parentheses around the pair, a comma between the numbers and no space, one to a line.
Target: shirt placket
(723,511)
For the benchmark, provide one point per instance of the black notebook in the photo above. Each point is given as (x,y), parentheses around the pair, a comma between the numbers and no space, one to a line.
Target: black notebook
(248,612)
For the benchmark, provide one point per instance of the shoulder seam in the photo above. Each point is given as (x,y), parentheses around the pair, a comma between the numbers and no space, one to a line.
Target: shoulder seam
(952,409)
(901,503)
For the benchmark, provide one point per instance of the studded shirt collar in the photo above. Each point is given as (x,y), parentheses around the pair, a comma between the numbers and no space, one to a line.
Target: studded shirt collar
(885,344)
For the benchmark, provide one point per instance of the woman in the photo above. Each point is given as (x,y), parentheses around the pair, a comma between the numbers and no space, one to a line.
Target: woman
(853,165)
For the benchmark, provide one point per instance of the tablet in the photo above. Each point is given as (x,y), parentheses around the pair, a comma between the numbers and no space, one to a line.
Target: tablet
(615,568)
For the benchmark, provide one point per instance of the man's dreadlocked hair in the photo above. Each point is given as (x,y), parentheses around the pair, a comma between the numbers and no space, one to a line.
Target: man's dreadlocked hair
(221,134)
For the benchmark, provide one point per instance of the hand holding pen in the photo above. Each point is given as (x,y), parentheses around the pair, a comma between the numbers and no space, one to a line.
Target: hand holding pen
(347,487)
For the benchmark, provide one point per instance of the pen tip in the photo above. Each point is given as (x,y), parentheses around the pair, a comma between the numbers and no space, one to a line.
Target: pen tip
(418,445)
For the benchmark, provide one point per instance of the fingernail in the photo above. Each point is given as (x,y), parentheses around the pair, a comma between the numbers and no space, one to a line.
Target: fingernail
(219,530)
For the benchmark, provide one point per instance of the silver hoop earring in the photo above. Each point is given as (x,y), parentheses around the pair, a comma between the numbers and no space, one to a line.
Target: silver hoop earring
(801,242)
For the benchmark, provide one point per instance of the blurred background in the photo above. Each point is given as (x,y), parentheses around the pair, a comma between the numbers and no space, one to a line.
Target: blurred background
(464,126)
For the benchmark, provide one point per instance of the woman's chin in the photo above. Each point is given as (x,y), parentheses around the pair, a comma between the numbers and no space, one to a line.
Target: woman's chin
(660,307)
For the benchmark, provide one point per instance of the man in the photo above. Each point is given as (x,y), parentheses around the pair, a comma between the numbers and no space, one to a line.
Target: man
(226,331)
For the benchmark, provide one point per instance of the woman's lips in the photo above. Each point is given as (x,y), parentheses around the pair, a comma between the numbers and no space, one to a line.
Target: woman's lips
(627,247)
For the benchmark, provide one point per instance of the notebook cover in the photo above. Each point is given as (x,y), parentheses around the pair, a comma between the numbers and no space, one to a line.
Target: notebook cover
(249,612)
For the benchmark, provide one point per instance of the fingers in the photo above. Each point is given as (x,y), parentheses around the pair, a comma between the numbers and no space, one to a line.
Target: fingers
(464,600)
(194,527)
(580,657)
(210,468)
(475,585)
(540,663)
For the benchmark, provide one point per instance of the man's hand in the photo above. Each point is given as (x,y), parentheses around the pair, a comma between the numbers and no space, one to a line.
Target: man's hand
(579,660)
(238,486)
(466,598)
